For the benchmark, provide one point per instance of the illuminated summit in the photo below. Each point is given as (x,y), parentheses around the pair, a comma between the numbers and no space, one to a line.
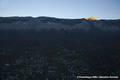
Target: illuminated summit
(91,18)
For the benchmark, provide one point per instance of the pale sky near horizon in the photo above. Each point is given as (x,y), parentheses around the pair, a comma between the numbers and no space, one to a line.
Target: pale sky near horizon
(101,9)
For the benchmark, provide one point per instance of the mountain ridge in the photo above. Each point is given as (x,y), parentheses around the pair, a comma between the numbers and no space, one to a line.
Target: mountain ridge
(39,23)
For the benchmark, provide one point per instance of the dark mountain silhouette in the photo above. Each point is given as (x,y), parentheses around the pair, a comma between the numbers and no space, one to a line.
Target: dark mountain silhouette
(74,46)
(24,23)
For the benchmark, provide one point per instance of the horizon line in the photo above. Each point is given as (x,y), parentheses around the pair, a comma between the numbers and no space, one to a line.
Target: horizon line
(63,17)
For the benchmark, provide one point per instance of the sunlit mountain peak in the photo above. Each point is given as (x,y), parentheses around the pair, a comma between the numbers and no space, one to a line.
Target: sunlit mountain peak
(91,18)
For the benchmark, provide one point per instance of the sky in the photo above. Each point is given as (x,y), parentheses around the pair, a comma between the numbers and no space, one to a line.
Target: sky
(101,9)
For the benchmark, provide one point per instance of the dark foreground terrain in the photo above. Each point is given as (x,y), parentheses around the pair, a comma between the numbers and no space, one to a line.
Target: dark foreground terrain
(47,48)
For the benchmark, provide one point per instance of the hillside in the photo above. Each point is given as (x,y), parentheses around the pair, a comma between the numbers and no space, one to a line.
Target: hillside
(39,23)
(53,48)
